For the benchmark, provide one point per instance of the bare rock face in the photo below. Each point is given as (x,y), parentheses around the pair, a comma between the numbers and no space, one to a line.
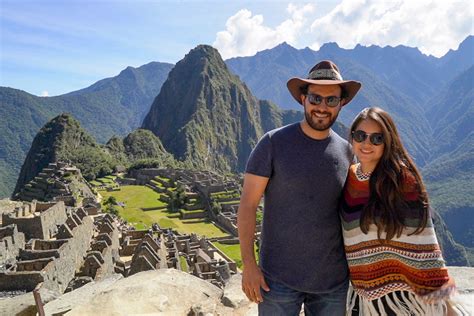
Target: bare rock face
(234,297)
(172,292)
(465,286)
(24,304)
(80,296)
(163,292)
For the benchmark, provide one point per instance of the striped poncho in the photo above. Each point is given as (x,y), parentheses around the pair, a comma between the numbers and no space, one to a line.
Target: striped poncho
(412,265)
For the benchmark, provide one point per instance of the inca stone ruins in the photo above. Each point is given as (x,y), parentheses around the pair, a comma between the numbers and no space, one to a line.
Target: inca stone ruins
(56,236)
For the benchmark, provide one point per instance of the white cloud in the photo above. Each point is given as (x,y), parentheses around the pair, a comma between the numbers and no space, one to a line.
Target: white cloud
(246,34)
(45,94)
(434,26)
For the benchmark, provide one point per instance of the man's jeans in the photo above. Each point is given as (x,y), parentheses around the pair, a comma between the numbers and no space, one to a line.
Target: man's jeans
(281,300)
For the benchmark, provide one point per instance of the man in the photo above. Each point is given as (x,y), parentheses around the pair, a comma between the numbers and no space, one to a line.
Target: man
(301,168)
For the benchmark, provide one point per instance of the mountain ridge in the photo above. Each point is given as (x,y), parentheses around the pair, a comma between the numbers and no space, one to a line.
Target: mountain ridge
(103,109)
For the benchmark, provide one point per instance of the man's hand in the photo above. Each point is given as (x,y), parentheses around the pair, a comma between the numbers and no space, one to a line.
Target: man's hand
(252,277)
(252,281)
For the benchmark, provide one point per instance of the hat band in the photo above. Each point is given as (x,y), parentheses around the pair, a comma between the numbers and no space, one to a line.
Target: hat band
(324,74)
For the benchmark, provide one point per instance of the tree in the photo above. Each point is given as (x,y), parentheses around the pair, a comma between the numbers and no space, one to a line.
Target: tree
(111,200)
(216,208)
(111,209)
(177,199)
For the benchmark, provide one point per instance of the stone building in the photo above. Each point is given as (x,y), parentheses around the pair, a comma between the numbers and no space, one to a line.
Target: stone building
(36,219)
(53,259)
(11,242)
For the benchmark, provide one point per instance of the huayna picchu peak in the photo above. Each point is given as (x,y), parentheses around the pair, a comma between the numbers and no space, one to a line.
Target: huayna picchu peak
(205,114)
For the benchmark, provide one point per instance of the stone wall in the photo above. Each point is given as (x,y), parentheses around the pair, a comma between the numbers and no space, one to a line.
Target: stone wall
(104,250)
(37,220)
(20,280)
(58,275)
(192,215)
(143,176)
(11,242)
(53,262)
(227,221)
(52,217)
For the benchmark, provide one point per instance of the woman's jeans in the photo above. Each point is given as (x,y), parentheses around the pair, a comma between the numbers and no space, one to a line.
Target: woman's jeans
(281,300)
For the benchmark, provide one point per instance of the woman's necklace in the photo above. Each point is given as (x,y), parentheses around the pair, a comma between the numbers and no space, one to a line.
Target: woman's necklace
(362,176)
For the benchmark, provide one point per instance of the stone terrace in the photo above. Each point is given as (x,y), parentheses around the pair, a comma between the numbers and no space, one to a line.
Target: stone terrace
(52,259)
(54,183)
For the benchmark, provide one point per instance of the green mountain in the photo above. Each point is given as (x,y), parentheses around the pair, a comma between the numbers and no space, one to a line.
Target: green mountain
(112,106)
(451,113)
(205,115)
(454,253)
(139,145)
(63,139)
(450,181)
(456,61)
(405,69)
(450,175)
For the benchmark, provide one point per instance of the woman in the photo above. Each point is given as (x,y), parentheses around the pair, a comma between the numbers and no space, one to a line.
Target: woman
(396,266)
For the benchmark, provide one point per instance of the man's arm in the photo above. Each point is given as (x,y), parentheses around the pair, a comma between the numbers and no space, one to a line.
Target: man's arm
(252,277)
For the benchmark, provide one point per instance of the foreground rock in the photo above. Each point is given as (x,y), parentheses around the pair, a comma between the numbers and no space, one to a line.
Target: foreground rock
(164,292)
(464,277)
(24,304)
(172,292)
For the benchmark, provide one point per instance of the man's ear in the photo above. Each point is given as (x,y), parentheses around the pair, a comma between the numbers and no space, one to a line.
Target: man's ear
(302,96)
(343,102)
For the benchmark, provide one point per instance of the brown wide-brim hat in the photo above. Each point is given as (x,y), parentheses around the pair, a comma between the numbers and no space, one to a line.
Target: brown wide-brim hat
(324,73)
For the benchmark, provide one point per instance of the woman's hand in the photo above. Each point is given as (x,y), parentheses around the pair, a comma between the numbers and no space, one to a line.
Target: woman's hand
(443,293)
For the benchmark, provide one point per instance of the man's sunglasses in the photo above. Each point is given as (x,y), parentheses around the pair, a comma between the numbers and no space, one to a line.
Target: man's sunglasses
(316,99)
(375,138)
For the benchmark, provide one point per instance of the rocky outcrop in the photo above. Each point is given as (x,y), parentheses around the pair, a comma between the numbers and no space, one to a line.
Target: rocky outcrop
(172,292)
(163,292)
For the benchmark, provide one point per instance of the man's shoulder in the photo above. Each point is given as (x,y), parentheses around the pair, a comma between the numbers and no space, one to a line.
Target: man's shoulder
(283,131)
(338,138)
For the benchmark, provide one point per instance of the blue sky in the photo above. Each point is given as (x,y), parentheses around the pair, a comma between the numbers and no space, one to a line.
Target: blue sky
(51,47)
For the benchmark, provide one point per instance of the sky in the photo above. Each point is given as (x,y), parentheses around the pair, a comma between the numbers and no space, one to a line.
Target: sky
(52,47)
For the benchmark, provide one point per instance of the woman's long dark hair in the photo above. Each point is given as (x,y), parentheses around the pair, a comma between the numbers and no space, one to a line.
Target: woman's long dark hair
(389,179)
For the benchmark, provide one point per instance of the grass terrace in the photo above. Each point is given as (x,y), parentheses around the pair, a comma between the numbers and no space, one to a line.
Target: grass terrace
(105,181)
(233,251)
(230,202)
(225,195)
(183,264)
(137,198)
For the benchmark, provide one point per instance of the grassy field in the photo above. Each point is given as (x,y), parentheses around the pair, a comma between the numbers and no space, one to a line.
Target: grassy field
(136,198)
(233,251)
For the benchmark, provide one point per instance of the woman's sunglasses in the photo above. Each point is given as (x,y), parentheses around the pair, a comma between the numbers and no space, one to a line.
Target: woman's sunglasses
(375,138)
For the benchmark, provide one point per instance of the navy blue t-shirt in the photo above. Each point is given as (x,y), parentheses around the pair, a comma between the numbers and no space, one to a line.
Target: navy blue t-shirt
(301,240)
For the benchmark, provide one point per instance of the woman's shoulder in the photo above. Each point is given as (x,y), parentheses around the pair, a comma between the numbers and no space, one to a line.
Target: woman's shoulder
(409,181)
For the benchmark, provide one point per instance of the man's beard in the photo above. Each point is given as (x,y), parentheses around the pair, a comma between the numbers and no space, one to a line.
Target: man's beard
(316,123)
